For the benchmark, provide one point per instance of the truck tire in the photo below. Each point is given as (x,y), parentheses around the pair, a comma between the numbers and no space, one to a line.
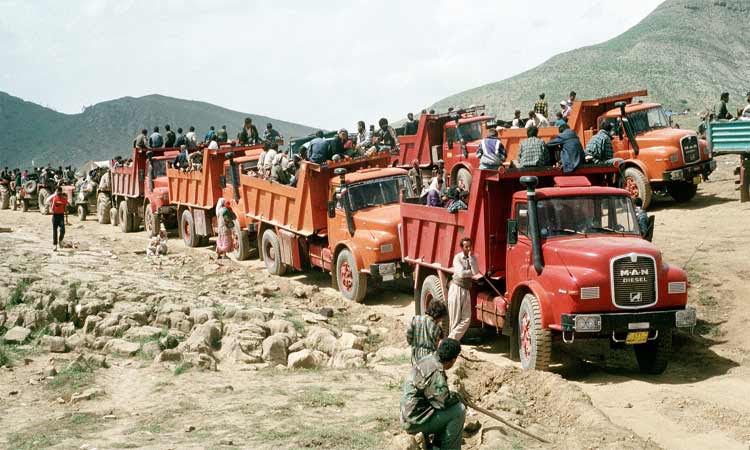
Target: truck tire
(241,250)
(534,342)
(271,251)
(465,175)
(114,216)
(351,282)
(432,289)
(42,197)
(13,203)
(4,197)
(682,191)
(151,221)
(103,205)
(24,205)
(29,186)
(636,182)
(124,218)
(187,229)
(653,356)
(82,211)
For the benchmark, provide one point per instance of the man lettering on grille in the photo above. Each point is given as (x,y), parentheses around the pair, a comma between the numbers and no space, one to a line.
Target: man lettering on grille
(427,405)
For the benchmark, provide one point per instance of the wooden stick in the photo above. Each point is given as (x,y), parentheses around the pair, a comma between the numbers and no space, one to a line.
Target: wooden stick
(473,406)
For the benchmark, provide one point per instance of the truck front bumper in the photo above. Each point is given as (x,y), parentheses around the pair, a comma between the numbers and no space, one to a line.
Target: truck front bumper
(689,173)
(608,323)
(166,210)
(390,271)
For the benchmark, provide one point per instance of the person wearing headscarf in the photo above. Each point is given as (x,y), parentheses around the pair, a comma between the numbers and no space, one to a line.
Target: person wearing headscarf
(225,221)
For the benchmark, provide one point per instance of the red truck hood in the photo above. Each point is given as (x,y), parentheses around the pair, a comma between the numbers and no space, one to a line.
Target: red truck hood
(596,251)
(663,136)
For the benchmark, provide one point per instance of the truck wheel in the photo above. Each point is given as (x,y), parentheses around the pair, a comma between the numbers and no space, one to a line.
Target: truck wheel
(682,191)
(432,289)
(653,356)
(465,175)
(4,197)
(352,283)
(241,242)
(534,342)
(151,221)
(271,251)
(13,203)
(103,205)
(636,182)
(125,218)
(42,197)
(82,212)
(114,217)
(187,230)
(24,205)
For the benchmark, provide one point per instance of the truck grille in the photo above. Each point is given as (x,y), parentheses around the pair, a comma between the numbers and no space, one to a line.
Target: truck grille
(633,281)
(690,149)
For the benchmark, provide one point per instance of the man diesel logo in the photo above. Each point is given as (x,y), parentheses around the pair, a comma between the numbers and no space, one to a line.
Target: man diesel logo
(635,297)
(634,275)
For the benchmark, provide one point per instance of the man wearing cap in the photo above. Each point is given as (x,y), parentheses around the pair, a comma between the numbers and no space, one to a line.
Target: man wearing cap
(541,106)
(269,134)
(490,152)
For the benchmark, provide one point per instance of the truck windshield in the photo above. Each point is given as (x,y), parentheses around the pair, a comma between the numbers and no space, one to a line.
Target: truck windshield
(648,119)
(564,216)
(471,131)
(379,191)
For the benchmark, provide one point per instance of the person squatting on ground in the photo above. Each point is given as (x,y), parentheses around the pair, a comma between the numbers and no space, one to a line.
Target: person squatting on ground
(157,244)
(225,218)
(428,406)
(465,268)
(58,204)
(425,332)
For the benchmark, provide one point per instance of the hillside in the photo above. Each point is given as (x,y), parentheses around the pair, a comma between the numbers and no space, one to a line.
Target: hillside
(685,53)
(31,132)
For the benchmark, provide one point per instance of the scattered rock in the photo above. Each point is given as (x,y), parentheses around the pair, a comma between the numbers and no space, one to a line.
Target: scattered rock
(361,329)
(406,442)
(88,394)
(321,339)
(204,338)
(374,317)
(143,333)
(189,429)
(16,335)
(170,355)
(54,344)
(472,426)
(58,309)
(326,311)
(314,318)
(307,359)
(75,341)
(277,326)
(151,348)
(299,292)
(392,353)
(122,347)
(222,388)
(348,359)
(226,441)
(348,341)
(628,405)
(297,346)
(275,348)
(49,371)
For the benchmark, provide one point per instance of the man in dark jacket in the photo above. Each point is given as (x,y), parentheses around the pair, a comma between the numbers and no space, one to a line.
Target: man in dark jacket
(571,153)
(338,144)
(170,137)
(411,126)
(181,139)
(318,149)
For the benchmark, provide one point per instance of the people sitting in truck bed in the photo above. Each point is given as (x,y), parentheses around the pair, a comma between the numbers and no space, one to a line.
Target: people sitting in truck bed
(559,119)
(745,114)
(387,135)
(599,148)
(536,120)
(722,110)
(282,172)
(222,136)
(318,148)
(268,160)
(491,152)
(269,134)
(155,140)
(565,109)
(340,146)
(181,160)
(462,203)
(415,176)
(571,151)
(517,121)
(435,196)
(532,151)
(213,143)
(141,140)
(363,139)
(169,142)
(411,125)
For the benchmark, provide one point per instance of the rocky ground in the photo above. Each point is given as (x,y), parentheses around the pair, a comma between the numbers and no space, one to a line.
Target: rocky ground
(104,347)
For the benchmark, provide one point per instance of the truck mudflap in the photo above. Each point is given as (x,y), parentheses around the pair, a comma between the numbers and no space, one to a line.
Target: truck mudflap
(691,173)
(390,271)
(614,324)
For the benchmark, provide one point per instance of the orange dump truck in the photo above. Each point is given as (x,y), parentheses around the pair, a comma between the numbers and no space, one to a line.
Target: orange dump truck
(340,217)
(194,195)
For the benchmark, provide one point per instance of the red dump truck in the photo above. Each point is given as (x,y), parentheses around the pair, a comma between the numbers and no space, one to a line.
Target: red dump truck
(561,260)
(140,191)
(194,195)
(340,217)
(656,156)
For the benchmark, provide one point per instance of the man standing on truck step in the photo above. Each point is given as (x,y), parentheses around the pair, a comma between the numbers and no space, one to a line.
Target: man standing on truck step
(58,204)
(427,405)
(155,140)
(170,137)
(465,268)
(723,113)
(571,153)
(141,141)
(532,151)
(415,176)
(491,152)
(411,125)
(541,106)
(599,149)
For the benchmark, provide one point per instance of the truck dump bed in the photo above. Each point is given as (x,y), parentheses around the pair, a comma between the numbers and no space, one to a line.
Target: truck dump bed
(430,236)
(128,180)
(301,209)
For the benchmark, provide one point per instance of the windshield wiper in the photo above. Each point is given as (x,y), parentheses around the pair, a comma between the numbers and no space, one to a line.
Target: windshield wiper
(566,230)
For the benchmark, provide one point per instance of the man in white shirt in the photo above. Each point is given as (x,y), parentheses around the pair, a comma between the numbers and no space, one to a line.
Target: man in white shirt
(536,120)
(465,269)
(517,121)
(214,145)
(192,141)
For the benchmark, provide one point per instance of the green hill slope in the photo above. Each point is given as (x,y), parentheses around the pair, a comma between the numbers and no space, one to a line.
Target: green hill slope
(31,132)
(685,53)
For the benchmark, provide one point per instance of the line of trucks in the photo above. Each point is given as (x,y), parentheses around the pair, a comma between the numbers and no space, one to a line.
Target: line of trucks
(561,255)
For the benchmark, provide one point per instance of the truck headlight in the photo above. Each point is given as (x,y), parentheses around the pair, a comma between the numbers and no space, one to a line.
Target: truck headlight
(588,323)
(685,318)
(386,248)
(677,287)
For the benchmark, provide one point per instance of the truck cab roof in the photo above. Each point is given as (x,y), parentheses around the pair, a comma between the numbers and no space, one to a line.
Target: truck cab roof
(631,108)
(369,174)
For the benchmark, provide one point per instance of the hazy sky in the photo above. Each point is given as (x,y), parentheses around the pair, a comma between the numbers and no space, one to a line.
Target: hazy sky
(319,63)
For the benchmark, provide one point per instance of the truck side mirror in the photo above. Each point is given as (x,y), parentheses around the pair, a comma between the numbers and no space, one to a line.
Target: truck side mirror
(512,232)
(331,209)
(222,181)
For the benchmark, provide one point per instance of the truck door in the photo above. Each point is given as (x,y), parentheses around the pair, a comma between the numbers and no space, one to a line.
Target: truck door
(620,142)
(518,257)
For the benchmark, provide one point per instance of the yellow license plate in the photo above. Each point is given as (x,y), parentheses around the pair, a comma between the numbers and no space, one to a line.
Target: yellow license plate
(697,180)
(636,337)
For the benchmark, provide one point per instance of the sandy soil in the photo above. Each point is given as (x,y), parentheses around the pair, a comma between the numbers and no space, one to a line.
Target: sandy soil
(700,402)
